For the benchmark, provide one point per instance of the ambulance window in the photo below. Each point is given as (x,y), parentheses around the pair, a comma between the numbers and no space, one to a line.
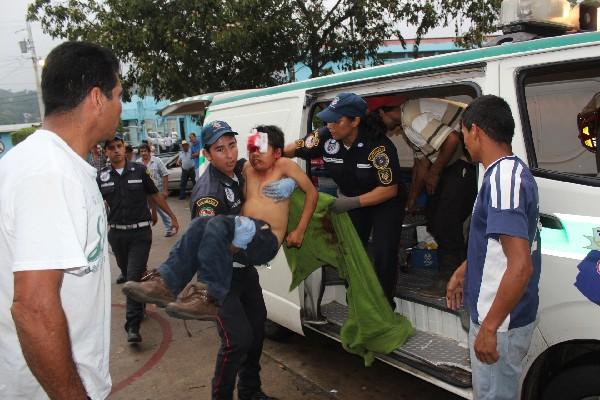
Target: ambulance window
(552,100)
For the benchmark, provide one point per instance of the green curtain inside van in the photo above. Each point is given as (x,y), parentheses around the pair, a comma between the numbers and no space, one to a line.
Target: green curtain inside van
(331,239)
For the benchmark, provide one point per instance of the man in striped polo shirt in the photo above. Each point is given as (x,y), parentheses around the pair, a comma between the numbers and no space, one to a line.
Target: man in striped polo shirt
(500,277)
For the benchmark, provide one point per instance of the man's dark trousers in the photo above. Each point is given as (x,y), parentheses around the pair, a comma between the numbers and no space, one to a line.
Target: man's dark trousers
(131,249)
(241,325)
(447,211)
(185,175)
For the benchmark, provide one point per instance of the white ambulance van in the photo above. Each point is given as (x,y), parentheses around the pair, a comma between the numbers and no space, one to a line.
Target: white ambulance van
(547,83)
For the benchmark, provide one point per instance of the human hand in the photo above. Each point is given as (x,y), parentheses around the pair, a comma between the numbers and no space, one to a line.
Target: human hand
(431,181)
(486,345)
(154,215)
(343,203)
(243,232)
(454,291)
(295,238)
(174,225)
(279,190)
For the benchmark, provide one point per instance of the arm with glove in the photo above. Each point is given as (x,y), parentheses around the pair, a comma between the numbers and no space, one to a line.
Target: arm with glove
(374,197)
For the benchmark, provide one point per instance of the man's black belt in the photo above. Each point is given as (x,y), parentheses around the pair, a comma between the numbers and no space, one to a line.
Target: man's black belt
(130,226)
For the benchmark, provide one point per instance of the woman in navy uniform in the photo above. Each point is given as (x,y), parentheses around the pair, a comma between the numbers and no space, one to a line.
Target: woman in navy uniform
(364,164)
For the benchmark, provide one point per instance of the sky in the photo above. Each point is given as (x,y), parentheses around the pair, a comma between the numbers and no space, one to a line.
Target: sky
(16,69)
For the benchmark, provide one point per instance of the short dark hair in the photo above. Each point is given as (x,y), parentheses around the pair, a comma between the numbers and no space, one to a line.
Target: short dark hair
(72,70)
(128,149)
(492,114)
(144,146)
(275,134)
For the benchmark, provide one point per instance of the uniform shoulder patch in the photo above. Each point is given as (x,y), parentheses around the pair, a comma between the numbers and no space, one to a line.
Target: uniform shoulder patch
(381,161)
(206,211)
(376,151)
(207,201)
(385,175)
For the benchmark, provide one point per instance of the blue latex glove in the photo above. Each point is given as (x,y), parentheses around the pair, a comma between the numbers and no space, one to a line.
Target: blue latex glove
(244,232)
(279,190)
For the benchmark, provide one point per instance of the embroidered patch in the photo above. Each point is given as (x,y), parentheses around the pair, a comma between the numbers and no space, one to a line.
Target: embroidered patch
(312,140)
(206,212)
(385,175)
(104,176)
(229,194)
(333,160)
(377,150)
(299,143)
(381,161)
(207,200)
(364,166)
(332,146)
(134,181)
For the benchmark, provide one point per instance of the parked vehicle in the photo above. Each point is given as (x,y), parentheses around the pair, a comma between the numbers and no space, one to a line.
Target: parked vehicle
(170,160)
(547,82)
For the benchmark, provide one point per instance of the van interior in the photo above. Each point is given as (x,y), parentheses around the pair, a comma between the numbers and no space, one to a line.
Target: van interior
(550,101)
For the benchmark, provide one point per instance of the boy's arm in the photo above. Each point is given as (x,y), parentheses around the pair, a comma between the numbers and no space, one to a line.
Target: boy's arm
(292,170)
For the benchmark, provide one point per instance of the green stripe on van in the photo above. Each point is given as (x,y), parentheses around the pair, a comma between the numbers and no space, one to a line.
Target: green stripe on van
(423,63)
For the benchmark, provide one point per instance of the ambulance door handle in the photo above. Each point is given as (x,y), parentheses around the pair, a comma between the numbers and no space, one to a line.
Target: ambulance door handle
(551,221)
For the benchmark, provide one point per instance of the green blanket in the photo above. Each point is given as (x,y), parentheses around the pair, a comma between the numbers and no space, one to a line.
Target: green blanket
(331,239)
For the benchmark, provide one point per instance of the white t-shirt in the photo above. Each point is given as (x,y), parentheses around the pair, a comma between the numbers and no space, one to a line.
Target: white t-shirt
(52,217)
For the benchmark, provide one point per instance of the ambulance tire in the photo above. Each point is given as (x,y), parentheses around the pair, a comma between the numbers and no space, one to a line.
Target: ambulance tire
(276,332)
(575,383)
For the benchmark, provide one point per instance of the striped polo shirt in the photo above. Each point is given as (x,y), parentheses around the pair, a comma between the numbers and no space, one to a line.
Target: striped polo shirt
(507,204)
(428,122)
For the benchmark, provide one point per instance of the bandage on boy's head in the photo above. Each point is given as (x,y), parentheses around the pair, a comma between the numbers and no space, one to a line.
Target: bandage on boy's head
(258,141)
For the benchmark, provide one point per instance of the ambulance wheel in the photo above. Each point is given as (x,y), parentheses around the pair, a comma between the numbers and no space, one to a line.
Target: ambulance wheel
(577,383)
(276,332)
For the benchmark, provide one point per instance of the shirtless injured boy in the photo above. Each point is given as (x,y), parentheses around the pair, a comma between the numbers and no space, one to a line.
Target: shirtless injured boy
(211,244)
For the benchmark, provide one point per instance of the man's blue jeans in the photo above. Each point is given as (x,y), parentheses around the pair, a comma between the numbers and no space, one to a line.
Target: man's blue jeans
(500,381)
(165,219)
(204,249)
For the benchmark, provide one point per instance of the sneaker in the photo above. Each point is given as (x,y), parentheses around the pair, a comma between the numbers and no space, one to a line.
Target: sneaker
(151,289)
(169,234)
(194,302)
(260,395)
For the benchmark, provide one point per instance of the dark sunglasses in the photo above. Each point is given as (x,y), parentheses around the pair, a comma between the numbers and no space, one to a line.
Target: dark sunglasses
(589,125)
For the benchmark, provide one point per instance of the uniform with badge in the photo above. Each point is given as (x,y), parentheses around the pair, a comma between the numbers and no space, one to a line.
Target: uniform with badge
(369,162)
(129,220)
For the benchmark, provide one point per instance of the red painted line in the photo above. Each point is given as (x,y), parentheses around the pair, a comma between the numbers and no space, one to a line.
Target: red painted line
(167,337)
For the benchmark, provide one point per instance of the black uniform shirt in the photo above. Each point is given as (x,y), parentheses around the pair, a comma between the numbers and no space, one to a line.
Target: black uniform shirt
(368,163)
(126,194)
(216,193)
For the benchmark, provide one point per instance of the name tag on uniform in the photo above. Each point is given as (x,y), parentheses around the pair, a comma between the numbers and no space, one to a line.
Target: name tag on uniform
(364,166)
(134,181)
(333,160)
(107,184)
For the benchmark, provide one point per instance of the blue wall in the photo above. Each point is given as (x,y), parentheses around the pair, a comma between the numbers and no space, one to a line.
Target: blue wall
(140,116)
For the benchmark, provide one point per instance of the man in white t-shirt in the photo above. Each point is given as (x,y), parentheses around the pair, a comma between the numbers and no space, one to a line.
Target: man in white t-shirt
(54,269)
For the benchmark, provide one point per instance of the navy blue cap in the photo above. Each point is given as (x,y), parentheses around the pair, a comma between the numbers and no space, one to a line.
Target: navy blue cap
(109,141)
(344,105)
(212,131)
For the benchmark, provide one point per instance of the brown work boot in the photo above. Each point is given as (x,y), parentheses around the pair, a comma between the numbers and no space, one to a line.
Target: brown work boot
(194,302)
(151,289)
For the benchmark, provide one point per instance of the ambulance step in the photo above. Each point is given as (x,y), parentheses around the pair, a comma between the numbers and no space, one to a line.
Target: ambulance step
(444,358)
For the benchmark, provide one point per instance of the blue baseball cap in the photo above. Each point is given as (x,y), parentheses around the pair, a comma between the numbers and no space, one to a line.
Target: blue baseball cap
(212,131)
(344,105)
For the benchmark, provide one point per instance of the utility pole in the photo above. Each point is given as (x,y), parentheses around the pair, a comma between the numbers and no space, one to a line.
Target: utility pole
(28,46)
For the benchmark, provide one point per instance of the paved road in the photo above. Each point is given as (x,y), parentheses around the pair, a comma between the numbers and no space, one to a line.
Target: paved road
(169,364)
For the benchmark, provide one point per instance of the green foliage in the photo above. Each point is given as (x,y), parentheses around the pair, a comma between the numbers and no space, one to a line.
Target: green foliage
(20,135)
(186,47)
